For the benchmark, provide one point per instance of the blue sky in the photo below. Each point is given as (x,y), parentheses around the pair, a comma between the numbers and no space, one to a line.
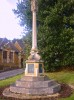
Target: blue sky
(9,24)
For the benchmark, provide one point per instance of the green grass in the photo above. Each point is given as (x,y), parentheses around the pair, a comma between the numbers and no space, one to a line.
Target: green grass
(63,76)
(9,81)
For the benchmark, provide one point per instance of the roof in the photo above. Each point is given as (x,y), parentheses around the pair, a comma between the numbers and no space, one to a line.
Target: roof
(11,46)
(5,43)
(20,42)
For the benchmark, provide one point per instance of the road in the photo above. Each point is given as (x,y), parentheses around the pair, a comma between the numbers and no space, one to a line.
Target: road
(7,74)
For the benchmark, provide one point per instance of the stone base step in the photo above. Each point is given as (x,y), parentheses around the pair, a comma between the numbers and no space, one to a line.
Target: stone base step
(40,85)
(35,84)
(35,91)
(33,78)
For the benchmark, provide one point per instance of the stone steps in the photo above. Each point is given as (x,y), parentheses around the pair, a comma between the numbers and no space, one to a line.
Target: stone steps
(35,91)
(35,84)
(38,78)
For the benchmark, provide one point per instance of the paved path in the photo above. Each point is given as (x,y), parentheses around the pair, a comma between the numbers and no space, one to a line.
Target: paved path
(11,73)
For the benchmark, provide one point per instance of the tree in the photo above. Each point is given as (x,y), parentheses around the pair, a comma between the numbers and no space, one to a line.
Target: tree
(55,31)
(24,13)
(27,41)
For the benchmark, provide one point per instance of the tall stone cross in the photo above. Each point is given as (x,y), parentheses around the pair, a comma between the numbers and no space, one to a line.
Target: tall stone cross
(34,51)
(34,9)
(34,64)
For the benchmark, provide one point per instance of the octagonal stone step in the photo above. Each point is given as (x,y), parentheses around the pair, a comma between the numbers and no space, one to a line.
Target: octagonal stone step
(38,78)
(35,91)
(35,84)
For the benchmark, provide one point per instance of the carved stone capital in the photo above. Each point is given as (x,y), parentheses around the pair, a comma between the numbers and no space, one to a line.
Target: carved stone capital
(34,56)
(34,5)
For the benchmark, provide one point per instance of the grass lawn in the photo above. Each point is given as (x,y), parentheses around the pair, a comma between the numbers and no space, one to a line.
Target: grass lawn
(62,77)
(9,81)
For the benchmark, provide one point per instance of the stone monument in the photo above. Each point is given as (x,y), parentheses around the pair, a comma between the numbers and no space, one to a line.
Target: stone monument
(34,64)
(33,83)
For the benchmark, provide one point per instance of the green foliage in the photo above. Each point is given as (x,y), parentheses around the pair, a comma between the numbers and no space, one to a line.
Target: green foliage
(27,39)
(55,20)
(24,13)
(56,33)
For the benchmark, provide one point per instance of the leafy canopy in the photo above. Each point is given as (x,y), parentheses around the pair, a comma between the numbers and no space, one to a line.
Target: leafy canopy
(55,20)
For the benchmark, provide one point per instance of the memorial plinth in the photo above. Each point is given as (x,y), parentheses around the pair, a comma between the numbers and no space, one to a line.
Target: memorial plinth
(34,68)
(34,64)
(33,83)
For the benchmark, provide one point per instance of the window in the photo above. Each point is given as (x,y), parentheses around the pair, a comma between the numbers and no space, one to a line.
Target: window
(4,56)
(11,56)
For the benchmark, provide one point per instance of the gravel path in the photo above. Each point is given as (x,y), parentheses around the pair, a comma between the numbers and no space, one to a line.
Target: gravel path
(11,73)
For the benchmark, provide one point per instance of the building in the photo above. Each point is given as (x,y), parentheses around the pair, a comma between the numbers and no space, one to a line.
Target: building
(11,54)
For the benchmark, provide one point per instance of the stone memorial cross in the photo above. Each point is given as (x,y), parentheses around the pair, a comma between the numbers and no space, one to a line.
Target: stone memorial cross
(34,62)
(34,51)
(34,8)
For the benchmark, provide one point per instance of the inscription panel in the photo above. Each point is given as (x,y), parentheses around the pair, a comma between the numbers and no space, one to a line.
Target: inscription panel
(40,68)
(30,68)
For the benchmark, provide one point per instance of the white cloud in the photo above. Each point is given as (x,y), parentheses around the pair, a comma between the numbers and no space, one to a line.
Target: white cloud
(8,22)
